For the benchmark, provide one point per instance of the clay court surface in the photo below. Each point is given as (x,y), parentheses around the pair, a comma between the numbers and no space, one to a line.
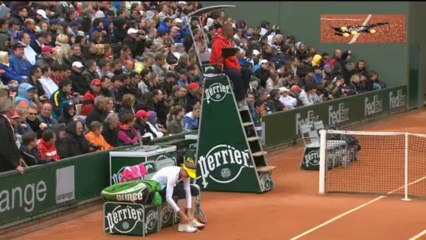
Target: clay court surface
(292,208)
(394,32)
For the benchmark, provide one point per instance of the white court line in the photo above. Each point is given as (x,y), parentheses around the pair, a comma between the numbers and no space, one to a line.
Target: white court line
(355,209)
(341,19)
(363,24)
(418,235)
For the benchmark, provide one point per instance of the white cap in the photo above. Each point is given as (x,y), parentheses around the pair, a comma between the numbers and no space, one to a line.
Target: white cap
(42,13)
(178,20)
(131,31)
(284,89)
(99,14)
(182,2)
(77,64)
(263,61)
(255,52)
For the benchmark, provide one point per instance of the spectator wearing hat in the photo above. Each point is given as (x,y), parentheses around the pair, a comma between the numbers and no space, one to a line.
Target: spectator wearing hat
(40,16)
(26,96)
(90,95)
(286,99)
(263,72)
(74,142)
(46,56)
(135,40)
(94,136)
(193,96)
(18,62)
(127,134)
(49,86)
(79,83)
(68,113)
(59,96)
(9,73)
(141,125)
(295,91)
(9,156)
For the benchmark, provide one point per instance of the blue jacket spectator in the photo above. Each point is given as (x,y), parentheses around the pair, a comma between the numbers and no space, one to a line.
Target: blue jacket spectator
(24,92)
(9,74)
(17,61)
(190,120)
(165,25)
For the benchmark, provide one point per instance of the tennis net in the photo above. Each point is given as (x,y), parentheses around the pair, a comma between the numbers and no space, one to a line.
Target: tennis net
(385,163)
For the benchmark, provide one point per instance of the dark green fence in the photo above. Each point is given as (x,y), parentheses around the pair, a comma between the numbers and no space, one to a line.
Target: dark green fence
(283,127)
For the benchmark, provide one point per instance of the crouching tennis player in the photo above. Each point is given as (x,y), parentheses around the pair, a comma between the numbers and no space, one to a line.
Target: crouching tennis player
(175,183)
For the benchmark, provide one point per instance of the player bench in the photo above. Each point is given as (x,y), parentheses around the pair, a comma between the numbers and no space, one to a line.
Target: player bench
(337,150)
(127,218)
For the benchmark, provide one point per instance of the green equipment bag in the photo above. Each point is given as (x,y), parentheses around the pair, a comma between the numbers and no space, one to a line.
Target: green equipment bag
(140,191)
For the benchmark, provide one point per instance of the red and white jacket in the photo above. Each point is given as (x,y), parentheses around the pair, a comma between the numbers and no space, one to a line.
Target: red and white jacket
(47,152)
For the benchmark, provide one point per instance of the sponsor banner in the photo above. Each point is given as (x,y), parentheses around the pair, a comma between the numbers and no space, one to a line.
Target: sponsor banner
(340,112)
(65,184)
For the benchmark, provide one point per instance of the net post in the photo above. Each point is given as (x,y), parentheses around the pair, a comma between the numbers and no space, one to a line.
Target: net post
(406,169)
(322,163)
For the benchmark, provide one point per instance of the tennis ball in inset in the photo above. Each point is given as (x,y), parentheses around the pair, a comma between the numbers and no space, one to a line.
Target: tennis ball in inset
(346,34)
(343,28)
(373,31)
(354,32)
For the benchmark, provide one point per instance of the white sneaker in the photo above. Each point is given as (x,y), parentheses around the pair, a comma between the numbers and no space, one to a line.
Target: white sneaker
(186,228)
(197,224)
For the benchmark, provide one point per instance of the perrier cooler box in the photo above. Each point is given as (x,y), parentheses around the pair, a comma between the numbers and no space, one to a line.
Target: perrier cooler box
(127,218)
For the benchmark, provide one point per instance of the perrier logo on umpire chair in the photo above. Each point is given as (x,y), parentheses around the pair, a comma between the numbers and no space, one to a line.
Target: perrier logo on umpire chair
(229,152)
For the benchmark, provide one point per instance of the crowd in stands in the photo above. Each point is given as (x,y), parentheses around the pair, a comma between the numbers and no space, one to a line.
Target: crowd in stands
(78,77)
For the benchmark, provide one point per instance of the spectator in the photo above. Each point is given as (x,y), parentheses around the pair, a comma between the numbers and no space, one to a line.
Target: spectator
(174,120)
(127,134)
(49,86)
(356,85)
(79,83)
(90,95)
(9,73)
(28,150)
(46,146)
(136,41)
(274,82)
(90,72)
(60,96)
(141,124)
(34,123)
(259,111)
(156,129)
(18,62)
(311,90)
(45,115)
(375,83)
(110,129)
(26,96)
(9,156)
(127,105)
(250,101)
(193,96)
(273,101)
(159,106)
(35,75)
(286,99)
(74,143)
(94,136)
(46,56)
(339,90)
(98,112)
(68,112)
(190,120)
